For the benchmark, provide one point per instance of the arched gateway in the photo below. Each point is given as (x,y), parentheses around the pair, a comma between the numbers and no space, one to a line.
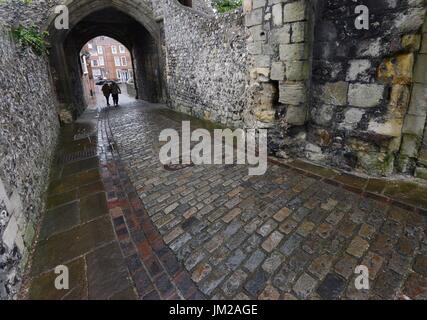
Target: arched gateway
(131,22)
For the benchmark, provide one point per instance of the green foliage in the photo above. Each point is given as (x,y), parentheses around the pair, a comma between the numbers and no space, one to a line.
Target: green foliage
(226,5)
(31,37)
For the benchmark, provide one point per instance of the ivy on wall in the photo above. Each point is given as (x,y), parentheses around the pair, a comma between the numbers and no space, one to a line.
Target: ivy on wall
(226,5)
(31,37)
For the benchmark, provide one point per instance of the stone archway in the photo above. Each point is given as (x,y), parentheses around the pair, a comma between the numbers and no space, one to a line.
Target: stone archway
(130,22)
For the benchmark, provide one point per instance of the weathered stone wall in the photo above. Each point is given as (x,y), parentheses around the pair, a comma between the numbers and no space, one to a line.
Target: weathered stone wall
(204,6)
(279,44)
(206,63)
(28,131)
(32,13)
(362,80)
(418,108)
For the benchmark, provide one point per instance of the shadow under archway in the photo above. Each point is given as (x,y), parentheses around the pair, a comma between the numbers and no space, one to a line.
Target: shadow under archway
(141,37)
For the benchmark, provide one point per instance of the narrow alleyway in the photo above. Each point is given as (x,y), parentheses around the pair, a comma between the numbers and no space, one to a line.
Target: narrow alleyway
(211,231)
(97,227)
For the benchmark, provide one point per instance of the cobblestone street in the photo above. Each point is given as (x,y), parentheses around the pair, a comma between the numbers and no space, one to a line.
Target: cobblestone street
(283,235)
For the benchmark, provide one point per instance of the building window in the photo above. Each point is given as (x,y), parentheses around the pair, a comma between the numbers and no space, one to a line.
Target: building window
(101,61)
(84,64)
(100,50)
(187,3)
(94,63)
(89,45)
(122,49)
(96,72)
(118,74)
(124,61)
(113,49)
(117,61)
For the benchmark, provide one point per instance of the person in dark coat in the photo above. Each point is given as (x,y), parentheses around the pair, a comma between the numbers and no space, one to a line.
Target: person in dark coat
(106,90)
(115,91)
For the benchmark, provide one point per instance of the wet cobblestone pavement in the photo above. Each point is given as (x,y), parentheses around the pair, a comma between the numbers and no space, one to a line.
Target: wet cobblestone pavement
(212,232)
(76,230)
(96,226)
(283,235)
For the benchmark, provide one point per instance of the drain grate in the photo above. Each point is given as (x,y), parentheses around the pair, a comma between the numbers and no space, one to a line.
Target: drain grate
(81,136)
(76,156)
(176,167)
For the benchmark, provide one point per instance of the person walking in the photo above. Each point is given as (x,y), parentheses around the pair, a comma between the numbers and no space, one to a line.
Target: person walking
(115,91)
(106,90)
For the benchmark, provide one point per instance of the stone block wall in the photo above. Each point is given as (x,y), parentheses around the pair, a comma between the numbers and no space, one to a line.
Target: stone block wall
(416,119)
(327,91)
(28,130)
(279,45)
(362,82)
(206,63)
(280,49)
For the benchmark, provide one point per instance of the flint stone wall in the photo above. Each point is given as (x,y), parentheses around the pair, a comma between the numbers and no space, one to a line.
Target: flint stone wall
(28,131)
(206,63)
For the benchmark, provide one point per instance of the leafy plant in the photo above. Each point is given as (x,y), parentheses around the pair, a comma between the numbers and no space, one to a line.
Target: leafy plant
(226,5)
(31,37)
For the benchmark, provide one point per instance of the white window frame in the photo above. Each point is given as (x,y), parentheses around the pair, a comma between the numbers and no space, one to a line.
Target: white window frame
(125,60)
(94,63)
(118,74)
(114,49)
(122,49)
(84,64)
(89,45)
(117,61)
(97,72)
(100,49)
(101,61)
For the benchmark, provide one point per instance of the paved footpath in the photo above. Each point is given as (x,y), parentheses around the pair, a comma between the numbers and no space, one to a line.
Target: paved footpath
(282,235)
(96,225)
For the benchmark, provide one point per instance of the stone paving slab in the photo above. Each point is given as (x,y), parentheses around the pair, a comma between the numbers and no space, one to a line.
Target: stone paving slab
(97,226)
(284,235)
(76,230)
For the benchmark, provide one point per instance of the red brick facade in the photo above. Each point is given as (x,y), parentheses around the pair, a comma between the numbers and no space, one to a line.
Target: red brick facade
(109,59)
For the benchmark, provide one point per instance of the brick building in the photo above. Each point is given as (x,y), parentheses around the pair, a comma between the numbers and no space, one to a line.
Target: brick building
(109,59)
